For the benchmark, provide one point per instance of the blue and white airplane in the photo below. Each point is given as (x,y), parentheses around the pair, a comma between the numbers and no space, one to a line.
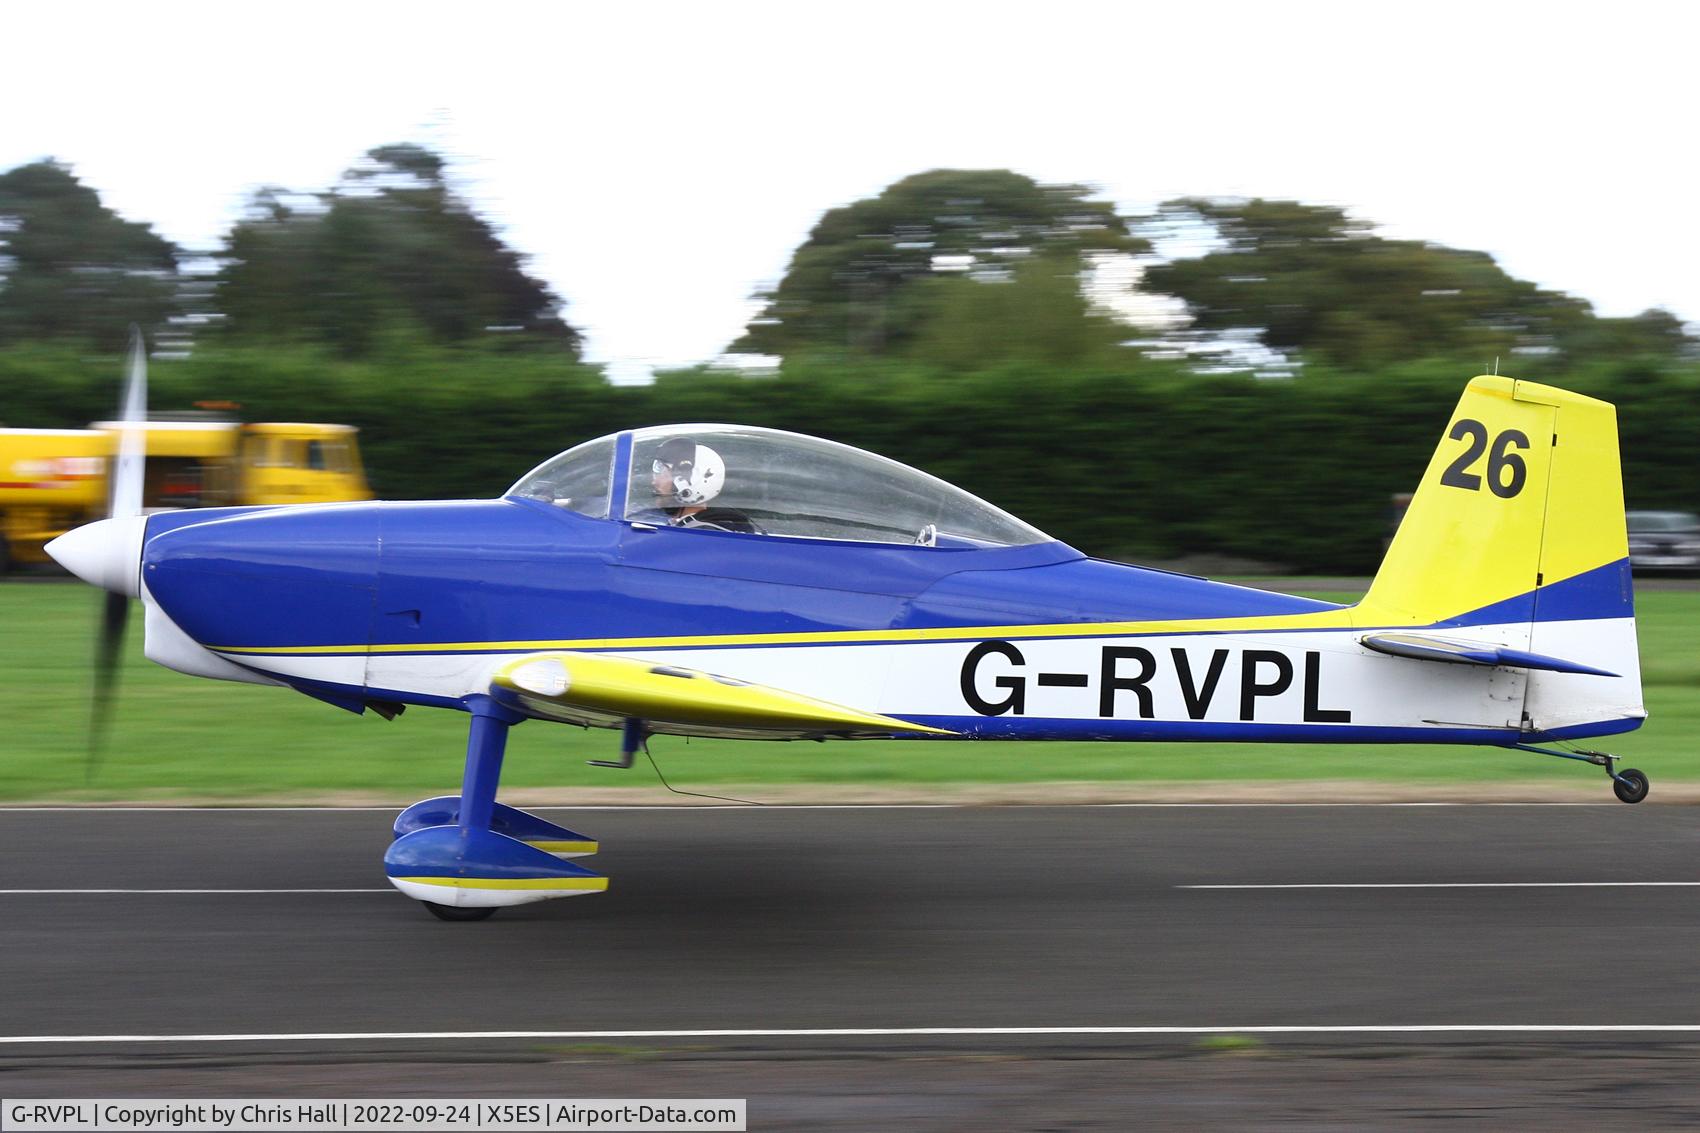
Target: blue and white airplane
(719,580)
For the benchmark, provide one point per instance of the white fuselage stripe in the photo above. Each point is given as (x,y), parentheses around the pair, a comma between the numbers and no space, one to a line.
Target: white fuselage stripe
(1317,679)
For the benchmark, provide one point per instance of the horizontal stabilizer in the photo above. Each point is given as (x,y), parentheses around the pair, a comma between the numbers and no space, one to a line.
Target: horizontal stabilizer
(1428,647)
(589,688)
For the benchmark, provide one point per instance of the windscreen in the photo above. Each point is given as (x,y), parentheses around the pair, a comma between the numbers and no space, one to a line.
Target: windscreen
(577,480)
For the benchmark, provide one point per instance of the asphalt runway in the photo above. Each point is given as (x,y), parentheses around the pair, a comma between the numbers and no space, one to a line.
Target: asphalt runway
(939,928)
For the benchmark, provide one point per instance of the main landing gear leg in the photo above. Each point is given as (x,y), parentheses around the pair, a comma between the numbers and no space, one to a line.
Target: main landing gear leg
(1629,785)
(464,856)
(486,744)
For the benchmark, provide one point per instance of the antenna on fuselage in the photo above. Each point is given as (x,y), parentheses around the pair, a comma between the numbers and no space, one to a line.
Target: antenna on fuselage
(693,794)
(634,737)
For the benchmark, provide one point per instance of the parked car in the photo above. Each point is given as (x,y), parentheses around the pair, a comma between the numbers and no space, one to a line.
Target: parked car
(1664,541)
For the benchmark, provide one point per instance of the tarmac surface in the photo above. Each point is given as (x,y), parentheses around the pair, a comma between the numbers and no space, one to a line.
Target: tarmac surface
(938,928)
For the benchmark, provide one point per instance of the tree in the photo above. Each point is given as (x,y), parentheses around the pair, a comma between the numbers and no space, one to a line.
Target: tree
(884,274)
(1654,333)
(1311,279)
(72,269)
(1037,314)
(391,249)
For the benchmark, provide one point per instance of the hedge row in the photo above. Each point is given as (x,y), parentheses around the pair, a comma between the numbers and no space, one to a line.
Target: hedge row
(1148,462)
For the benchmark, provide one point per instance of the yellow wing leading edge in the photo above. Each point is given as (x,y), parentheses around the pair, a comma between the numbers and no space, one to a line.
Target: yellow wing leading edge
(587,688)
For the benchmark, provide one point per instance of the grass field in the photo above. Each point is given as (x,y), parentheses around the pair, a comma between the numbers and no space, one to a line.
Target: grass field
(178,736)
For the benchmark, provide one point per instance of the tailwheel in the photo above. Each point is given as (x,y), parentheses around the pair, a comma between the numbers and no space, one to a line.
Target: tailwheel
(1629,785)
(460,912)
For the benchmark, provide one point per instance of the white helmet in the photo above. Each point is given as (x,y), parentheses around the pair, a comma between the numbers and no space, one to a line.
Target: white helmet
(696,472)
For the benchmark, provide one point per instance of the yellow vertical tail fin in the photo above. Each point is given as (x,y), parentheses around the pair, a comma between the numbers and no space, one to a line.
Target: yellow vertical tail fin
(1523,493)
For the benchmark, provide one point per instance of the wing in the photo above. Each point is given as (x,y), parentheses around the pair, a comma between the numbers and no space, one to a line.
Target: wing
(1429,647)
(604,691)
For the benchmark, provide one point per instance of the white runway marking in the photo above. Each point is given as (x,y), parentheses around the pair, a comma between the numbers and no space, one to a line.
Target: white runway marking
(1306,885)
(1318,885)
(882,1032)
(193,892)
(1463,885)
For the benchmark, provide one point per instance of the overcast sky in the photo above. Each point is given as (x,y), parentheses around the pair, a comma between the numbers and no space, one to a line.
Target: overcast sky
(658,162)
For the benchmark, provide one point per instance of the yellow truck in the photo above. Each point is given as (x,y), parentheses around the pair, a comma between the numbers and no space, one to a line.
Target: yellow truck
(52,480)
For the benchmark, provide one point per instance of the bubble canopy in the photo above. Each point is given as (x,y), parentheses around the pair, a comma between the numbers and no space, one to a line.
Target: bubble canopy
(776,484)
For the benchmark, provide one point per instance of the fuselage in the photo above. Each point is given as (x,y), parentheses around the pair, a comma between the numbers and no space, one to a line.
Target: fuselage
(419,602)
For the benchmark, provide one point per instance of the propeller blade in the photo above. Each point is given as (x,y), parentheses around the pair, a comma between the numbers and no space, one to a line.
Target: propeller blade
(128,466)
(115,614)
(128,470)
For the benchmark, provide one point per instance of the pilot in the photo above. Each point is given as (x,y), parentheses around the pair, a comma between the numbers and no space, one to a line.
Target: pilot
(685,477)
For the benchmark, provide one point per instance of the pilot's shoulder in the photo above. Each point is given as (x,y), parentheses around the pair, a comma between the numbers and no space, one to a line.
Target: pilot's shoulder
(722,519)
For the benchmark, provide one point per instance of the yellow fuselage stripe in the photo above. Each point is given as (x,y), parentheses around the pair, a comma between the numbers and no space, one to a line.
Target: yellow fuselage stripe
(1322,619)
(597,883)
